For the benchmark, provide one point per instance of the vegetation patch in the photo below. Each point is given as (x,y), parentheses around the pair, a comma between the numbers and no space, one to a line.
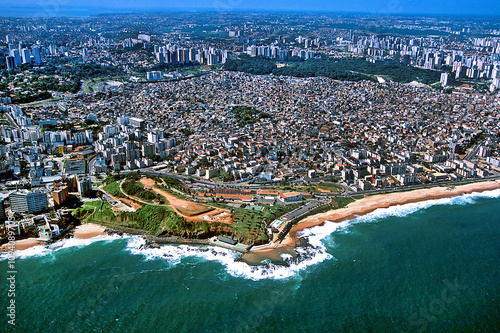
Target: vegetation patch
(341,202)
(136,189)
(114,190)
(345,69)
(250,226)
(156,220)
(248,115)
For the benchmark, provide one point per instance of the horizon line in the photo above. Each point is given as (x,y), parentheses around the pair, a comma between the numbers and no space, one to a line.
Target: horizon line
(101,10)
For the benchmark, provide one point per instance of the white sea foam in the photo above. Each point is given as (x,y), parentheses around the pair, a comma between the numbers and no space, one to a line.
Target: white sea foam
(407,209)
(44,250)
(174,254)
(307,256)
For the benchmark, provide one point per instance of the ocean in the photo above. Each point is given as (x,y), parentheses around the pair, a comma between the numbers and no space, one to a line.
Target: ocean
(424,267)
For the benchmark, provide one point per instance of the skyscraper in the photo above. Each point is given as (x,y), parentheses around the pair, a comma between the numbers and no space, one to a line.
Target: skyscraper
(26,56)
(36,55)
(53,49)
(11,64)
(17,57)
(445,77)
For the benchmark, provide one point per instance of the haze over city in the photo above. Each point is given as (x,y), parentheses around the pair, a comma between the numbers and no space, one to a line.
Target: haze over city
(377,7)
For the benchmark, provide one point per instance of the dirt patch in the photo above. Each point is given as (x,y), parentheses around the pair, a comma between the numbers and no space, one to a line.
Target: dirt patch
(191,211)
(147,182)
(128,203)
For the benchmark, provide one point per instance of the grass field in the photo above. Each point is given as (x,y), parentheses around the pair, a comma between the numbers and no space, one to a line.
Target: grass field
(330,187)
(342,201)
(114,189)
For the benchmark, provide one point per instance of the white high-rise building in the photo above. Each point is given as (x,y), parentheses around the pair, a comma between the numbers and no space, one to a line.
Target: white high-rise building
(445,78)
(26,56)
(53,49)
(28,202)
(17,57)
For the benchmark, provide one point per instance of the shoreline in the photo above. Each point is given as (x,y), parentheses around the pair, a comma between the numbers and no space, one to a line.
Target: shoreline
(273,250)
(83,231)
(369,204)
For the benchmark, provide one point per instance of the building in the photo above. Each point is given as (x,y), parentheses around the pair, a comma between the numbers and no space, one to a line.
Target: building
(445,79)
(290,196)
(148,149)
(11,64)
(137,122)
(85,153)
(17,56)
(46,230)
(24,201)
(2,210)
(84,185)
(154,75)
(37,58)
(210,173)
(26,56)
(76,166)
(60,193)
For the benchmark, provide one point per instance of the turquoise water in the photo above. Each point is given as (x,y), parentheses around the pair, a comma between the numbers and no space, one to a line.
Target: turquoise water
(426,267)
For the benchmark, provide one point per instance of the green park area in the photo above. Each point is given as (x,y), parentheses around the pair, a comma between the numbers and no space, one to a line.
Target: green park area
(250,222)
(155,220)
(345,69)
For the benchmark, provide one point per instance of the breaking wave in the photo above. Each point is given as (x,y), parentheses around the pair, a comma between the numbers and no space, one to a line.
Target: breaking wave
(311,255)
(290,267)
(407,209)
(43,250)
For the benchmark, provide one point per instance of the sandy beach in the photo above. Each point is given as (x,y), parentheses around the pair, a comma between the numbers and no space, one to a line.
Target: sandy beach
(88,230)
(371,203)
(83,231)
(351,211)
(23,244)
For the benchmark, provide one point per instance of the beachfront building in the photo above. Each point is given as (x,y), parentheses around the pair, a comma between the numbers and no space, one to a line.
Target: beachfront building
(46,230)
(24,201)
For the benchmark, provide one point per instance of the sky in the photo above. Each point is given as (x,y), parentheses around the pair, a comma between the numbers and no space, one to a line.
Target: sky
(391,7)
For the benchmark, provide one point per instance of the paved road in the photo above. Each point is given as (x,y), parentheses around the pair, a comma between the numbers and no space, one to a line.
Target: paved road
(473,152)
(12,121)
(310,205)
(346,191)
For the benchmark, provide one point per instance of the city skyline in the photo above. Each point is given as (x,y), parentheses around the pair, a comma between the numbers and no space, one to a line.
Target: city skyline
(382,7)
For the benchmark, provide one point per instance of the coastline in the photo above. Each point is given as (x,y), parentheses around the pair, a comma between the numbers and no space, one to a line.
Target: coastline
(273,251)
(369,204)
(83,231)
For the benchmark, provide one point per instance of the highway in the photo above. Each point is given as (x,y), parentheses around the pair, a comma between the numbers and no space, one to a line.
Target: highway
(12,121)
(346,191)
